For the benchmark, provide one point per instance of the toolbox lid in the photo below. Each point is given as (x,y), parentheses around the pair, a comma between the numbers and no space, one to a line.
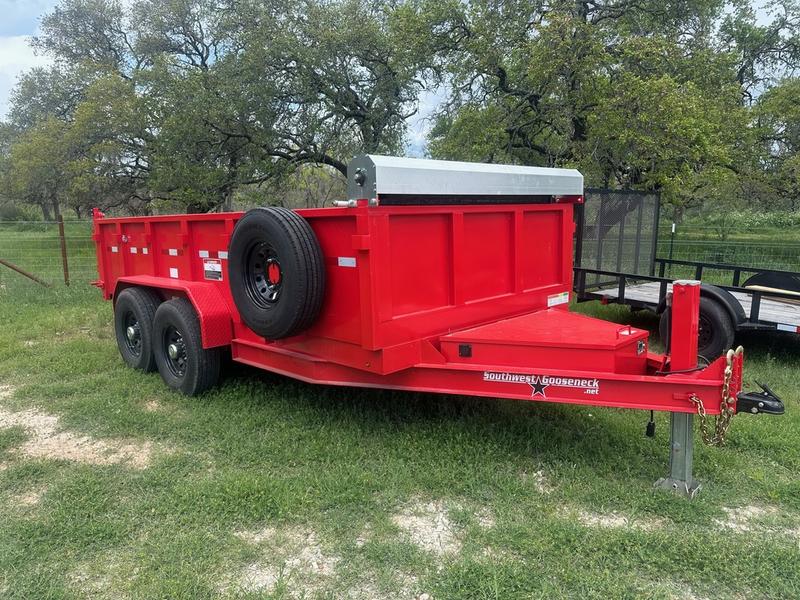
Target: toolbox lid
(398,180)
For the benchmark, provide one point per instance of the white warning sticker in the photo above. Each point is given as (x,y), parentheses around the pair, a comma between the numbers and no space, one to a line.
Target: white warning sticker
(134,250)
(790,328)
(556,299)
(212,269)
(222,254)
(173,252)
(173,272)
(203,253)
(347,261)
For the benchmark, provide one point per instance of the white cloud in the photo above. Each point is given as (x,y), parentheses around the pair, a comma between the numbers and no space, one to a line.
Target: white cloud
(16,56)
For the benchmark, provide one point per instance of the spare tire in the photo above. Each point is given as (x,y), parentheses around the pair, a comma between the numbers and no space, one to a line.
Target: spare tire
(276,272)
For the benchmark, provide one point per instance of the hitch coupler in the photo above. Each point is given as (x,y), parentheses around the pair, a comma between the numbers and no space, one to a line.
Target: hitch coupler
(766,401)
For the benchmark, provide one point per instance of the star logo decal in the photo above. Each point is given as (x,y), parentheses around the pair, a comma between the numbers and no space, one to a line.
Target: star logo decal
(537,388)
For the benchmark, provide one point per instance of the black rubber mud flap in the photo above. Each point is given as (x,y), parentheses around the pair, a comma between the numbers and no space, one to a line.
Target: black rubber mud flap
(276,272)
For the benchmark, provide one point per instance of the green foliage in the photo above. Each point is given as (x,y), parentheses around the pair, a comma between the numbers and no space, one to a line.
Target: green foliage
(649,95)
(186,104)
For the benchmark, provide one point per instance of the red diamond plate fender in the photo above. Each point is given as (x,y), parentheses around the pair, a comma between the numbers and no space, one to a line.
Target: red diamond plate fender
(213,311)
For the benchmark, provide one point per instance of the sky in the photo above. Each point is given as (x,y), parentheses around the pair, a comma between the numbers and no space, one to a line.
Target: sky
(18,21)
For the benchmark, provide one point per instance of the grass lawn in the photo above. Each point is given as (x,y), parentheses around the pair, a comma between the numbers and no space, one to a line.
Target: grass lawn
(112,486)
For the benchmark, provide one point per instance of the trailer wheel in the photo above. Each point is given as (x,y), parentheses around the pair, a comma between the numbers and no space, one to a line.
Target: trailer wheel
(184,364)
(134,312)
(716,330)
(276,272)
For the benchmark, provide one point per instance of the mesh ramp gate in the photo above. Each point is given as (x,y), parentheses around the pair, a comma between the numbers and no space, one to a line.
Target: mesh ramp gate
(616,230)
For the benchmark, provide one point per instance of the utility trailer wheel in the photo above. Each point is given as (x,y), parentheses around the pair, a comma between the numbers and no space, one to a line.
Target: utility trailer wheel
(276,272)
(134,313)
(184,364)
(716,332)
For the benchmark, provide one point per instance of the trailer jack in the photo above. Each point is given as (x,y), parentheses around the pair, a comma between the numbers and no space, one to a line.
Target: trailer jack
(766,401)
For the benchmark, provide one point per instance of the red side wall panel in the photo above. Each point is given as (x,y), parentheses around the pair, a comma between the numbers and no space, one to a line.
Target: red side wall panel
(395,275)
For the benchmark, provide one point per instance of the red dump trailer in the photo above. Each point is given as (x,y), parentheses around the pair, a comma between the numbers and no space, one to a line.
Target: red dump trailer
(431,276)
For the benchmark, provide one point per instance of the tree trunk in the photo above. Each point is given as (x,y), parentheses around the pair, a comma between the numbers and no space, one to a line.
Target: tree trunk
(56,208)
(46,211)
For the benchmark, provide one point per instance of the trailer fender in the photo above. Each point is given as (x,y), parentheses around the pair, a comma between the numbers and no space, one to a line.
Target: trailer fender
(213,312)
(723,297)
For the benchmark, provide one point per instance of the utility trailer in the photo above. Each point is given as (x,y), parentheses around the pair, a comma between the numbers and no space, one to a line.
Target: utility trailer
(616,262)
(431,276)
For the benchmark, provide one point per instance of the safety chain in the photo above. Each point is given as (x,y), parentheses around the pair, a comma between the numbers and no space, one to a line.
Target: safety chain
(723,421)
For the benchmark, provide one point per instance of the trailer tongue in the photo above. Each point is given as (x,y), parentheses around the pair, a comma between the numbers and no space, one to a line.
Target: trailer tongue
(432,276)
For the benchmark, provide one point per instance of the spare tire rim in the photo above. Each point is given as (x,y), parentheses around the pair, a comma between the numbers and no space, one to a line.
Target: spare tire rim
(263,277)
(175,351)
(133,334)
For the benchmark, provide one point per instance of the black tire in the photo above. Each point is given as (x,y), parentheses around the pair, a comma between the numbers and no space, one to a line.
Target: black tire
(191,369)
(134,313)
(276,272)
(716,329)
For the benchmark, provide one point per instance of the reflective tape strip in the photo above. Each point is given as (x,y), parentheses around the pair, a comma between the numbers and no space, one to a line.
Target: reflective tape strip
(556,299)
(789,328)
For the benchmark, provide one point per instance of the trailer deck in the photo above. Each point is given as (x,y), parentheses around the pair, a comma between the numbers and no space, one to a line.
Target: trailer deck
(784,314)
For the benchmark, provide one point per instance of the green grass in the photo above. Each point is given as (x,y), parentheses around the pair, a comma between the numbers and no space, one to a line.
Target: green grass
(265,451)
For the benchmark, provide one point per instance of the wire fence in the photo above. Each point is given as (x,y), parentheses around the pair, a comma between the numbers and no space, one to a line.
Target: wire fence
(35,248)
(765,248)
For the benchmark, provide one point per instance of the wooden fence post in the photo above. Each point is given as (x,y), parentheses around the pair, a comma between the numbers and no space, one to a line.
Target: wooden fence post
(63,239)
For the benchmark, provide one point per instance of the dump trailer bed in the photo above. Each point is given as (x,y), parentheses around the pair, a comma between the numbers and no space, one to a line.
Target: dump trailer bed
(432,276)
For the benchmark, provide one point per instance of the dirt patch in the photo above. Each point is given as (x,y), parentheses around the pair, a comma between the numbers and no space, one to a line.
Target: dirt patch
(745,518)
(6,391)
(538,480)
(613,520)
(48,441)
(28,499)
(753,519)
(294,557)
(428,526)
(104,578)
(153,406)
